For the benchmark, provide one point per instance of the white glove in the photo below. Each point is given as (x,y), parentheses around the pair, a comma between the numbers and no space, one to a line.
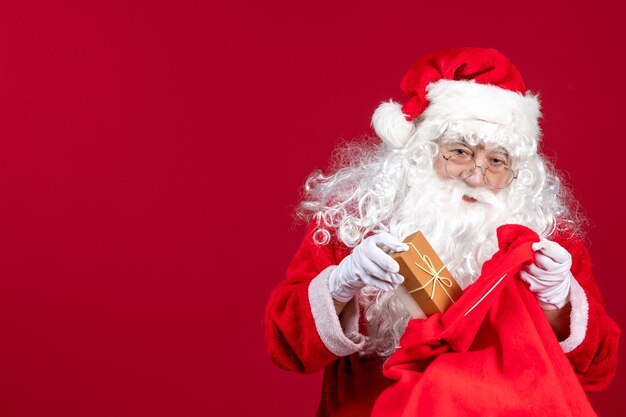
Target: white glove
(369,264)
(549,278)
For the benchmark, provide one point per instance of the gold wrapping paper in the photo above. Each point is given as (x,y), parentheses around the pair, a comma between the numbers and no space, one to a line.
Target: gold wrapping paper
(427,281)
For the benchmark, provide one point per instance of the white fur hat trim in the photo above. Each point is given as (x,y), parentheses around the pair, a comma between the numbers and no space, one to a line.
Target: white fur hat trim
(508,117)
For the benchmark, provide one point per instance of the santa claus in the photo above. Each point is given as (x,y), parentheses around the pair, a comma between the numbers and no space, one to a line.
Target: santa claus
(456,161)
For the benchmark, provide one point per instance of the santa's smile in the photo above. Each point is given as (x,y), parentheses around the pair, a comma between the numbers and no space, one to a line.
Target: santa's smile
(469,199)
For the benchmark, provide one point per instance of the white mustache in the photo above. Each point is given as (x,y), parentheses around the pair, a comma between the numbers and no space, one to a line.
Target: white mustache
(481,194)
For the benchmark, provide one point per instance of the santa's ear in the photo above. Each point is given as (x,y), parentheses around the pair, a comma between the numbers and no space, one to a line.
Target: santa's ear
(391,125)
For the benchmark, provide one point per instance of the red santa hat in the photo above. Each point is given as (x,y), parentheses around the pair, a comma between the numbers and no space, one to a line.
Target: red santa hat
(467,91)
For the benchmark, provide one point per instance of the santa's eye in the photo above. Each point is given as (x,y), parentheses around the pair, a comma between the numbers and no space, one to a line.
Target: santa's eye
(497,161)
(461,152)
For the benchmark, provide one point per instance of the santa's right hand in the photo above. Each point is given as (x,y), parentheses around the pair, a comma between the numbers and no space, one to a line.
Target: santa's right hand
(369,264)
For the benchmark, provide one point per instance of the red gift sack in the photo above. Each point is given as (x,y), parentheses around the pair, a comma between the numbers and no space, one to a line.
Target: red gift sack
(492,353)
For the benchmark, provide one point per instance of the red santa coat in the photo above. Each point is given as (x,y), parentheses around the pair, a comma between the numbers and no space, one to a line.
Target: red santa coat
(305,335)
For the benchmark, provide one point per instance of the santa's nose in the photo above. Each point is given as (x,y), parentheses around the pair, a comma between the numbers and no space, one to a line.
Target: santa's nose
(475,179)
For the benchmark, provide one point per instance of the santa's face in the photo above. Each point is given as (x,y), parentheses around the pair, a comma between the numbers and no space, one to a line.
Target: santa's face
(481,166)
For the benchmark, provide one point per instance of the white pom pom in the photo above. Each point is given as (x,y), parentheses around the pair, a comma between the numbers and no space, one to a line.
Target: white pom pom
(391,125)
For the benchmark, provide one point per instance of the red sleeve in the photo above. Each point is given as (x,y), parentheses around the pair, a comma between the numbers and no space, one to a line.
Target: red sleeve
(594,359)
(300,320)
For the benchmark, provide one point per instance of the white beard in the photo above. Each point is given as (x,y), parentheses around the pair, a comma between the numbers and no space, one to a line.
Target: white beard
(462,233)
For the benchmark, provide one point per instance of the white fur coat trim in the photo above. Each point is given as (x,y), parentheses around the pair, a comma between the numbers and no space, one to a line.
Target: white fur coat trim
(578,318)
(340,336)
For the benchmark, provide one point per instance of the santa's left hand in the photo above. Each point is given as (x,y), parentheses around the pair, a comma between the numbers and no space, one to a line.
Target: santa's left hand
(549,277)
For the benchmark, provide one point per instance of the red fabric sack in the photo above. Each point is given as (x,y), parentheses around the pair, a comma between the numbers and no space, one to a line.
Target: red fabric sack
(492,353)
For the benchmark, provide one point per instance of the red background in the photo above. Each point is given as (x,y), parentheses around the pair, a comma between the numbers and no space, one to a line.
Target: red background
(151,155)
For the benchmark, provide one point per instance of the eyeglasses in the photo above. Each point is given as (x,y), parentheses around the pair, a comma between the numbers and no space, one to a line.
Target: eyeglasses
(461,164)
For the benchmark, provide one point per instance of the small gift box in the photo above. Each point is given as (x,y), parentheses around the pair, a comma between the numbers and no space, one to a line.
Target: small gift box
(427,282)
